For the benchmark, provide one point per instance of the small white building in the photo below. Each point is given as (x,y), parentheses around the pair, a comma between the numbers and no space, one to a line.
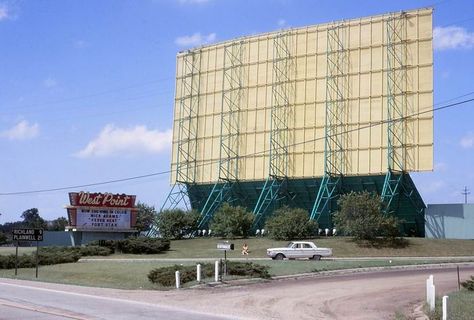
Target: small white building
(449,221)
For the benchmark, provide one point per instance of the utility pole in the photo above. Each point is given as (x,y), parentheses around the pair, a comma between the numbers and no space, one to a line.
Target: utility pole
(465,192)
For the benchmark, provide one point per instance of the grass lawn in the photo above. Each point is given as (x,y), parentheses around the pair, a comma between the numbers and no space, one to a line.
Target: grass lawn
(461,305)
(342,247)
(133,275)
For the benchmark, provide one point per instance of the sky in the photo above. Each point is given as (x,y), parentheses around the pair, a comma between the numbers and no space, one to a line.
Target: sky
(87,89)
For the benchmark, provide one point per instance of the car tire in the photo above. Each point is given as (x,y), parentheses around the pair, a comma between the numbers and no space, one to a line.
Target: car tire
(279,256)
(316,257)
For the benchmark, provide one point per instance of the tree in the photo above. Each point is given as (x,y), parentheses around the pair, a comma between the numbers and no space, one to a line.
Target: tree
(360,215)
(145,216)
(3,238)
(291,223)
(176,223)
(58,224)
(231,222)
(32,219)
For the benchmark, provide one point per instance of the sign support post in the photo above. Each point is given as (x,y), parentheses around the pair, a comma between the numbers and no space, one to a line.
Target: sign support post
(37,259)
(16,258)
(27,234)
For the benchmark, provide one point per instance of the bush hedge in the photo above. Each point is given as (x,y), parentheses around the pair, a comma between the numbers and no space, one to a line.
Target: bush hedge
(469,284)
(166,276)
(52,255)
(141,245)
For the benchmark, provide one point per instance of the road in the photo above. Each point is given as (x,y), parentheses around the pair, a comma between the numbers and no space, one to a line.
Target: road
(27,300)
(355,296)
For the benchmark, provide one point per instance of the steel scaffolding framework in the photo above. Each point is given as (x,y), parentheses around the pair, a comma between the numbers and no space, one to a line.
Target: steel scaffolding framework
(279,132)
(337,89)
(228,170)
(187,135)
(396,49)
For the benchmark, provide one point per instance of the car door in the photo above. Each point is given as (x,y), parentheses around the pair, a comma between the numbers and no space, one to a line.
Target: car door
(293,252)
(299,252)
(307,251)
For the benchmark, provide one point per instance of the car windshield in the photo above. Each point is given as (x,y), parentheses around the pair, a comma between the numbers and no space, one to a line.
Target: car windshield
(290,244)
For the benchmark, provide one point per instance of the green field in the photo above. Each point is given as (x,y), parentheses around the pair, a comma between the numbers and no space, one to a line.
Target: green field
(342,247)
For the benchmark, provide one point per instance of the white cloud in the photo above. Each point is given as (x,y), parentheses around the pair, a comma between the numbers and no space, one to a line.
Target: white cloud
(21,131)
(50,82)
(281,22)
(467,141)
(136,140)
(195,40)
(4,12)
(452,38)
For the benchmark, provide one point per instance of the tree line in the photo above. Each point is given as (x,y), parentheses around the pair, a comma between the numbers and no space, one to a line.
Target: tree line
(360,215)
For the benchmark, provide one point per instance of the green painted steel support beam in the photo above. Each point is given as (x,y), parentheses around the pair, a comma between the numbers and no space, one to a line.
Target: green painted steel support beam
(228,169)
(282,92)
(335,138)
(396,109)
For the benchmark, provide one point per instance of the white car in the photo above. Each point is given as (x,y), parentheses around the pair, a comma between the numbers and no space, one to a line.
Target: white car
(299,249)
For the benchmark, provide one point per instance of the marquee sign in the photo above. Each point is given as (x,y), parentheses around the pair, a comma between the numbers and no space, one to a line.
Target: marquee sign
(106,200)
(102,211)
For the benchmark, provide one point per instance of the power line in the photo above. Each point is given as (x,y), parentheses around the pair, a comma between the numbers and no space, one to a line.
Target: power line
(209,162)
(93,95)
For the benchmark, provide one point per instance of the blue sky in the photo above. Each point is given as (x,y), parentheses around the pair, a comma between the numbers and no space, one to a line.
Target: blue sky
(87,89)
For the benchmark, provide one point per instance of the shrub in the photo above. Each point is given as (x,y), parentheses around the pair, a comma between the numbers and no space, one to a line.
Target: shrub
(166,276)
(95,251)
(110,244)
(468,284)
(248,269)
(3,238)
(231,222)
(176,223)
(7,262)
(289,224)
(52,255)
(143,245)
(360,215)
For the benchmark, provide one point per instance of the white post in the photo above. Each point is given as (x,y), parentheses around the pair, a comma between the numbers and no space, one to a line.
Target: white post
(177,279)
(445,307)
(433,297)
(216,276)
(198,273)
(430,293)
